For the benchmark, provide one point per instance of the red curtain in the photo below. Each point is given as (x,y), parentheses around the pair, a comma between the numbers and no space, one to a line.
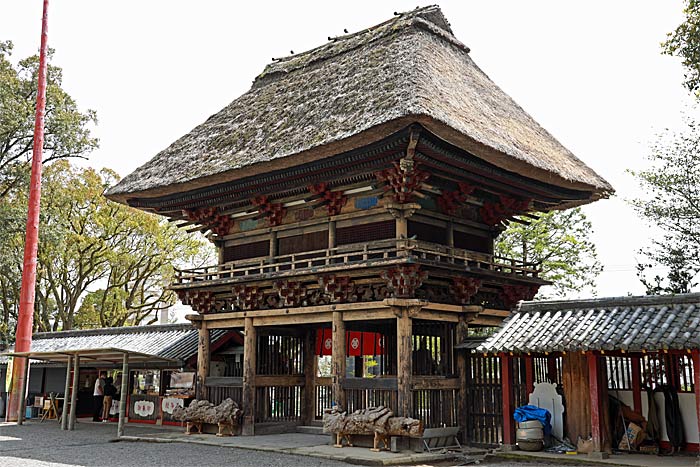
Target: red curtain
(357,343)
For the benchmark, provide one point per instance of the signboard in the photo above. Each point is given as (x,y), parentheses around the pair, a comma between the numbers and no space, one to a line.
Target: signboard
(169,403)
(144,408)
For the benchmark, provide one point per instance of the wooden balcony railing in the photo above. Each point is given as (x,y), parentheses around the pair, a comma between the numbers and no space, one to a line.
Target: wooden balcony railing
(354,255)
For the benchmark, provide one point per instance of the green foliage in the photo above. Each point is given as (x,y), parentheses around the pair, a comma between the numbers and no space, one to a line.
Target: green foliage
(559,242)
(100,264)
(684,42)
(673,205)
(66,129)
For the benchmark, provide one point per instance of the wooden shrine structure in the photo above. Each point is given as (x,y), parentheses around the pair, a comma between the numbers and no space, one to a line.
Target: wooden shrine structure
(355,193)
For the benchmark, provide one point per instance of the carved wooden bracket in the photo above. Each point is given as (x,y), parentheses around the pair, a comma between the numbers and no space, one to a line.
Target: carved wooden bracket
(493,213)
(340,289)
(220,224)
(200,301)
(273,212)
(333,200)
(402,281)
(248,297)
(291,293)
(403,179)
(464,288)
(512,294)
(449,201)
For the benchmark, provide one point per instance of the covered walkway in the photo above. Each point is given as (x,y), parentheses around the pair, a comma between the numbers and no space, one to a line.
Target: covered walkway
(71,357)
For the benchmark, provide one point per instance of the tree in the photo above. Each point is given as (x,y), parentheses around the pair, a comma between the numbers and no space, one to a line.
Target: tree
(673,205)
(99,263)
(559,243)
(67,130)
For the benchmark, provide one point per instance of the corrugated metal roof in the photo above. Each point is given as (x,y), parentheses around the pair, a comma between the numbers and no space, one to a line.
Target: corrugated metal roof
(172,341)
(623,323)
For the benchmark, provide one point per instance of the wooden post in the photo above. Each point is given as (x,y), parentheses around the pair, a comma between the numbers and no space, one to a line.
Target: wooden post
(404,359)
(696,383)
(508,402)
(461,334)
(594,388)
(450,234)
(249,349)
(331,234)
(529,374)
(273,244)
(22,411)
(339,360)
(309,408)
(74,393)
(203,358)
(637,384)
(123,395)
(64,409)
(401,225)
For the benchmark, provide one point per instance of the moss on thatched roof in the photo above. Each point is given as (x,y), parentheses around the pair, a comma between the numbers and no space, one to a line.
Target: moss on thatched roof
(354,90)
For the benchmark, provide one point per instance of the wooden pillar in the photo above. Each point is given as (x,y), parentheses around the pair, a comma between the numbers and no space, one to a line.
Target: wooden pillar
(401,225)
(552,369)
(22,412)
(637,384)
(529,374)
(595,401)
(249,350)
(273,244)
(508,402)
(64,409)
(310,364)
(404,359)
(331,234)
(450,234)
(123,396)
(74,393)
(338,360)
(696,384)
(203,359)
(462,332)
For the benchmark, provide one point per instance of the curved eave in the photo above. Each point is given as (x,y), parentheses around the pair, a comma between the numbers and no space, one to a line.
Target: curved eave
(597,186)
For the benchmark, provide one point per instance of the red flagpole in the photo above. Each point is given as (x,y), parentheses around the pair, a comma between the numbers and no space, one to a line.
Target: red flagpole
(23,334)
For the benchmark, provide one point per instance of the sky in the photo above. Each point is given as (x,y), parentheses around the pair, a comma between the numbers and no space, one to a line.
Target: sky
(590,72)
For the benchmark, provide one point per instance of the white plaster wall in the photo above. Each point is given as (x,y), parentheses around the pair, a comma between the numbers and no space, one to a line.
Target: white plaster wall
(688,412)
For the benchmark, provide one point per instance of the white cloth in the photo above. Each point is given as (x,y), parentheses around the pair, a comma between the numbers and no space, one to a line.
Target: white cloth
(99,387)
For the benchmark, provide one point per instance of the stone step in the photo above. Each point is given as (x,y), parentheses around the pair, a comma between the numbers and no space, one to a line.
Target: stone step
(311,430)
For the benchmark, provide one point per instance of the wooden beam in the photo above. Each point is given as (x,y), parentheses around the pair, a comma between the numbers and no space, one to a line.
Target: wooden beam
(437,316)
(279,380)
(366,315)
(436,382)
(295,311)
(338,360)
(248,392)
(294,319)
(529,374)
(404,359)
(226,324)
(487,321)
(508,402)
(203,359)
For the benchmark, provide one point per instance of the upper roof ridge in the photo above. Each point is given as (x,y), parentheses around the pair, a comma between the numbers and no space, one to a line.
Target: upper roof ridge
(609,302)
(429,18)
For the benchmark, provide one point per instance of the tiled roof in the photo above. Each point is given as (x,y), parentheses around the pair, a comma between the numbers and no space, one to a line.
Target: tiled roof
(646,323)
(175,341)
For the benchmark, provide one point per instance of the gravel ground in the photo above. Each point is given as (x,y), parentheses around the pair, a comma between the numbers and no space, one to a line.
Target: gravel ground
(45,445)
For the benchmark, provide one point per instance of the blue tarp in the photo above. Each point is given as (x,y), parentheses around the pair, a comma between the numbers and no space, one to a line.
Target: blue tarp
(532,412)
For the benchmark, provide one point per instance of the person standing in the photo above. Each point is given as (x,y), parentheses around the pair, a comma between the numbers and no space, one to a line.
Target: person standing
(109,392)
(97,397)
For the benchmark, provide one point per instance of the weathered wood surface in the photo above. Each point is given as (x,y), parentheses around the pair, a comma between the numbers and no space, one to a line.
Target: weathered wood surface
(404,332)
(338,359)
(248,394)
(203,358)
(577,389)
(202,411)
(379,421)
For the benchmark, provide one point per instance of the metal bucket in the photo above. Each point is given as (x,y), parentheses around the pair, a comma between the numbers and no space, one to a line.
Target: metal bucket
(530,436)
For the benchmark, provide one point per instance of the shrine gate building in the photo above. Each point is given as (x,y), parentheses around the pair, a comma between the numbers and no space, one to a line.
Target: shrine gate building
(354,194)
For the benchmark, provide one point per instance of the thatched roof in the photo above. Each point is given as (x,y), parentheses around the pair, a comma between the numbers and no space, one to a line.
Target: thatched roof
(354,90)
